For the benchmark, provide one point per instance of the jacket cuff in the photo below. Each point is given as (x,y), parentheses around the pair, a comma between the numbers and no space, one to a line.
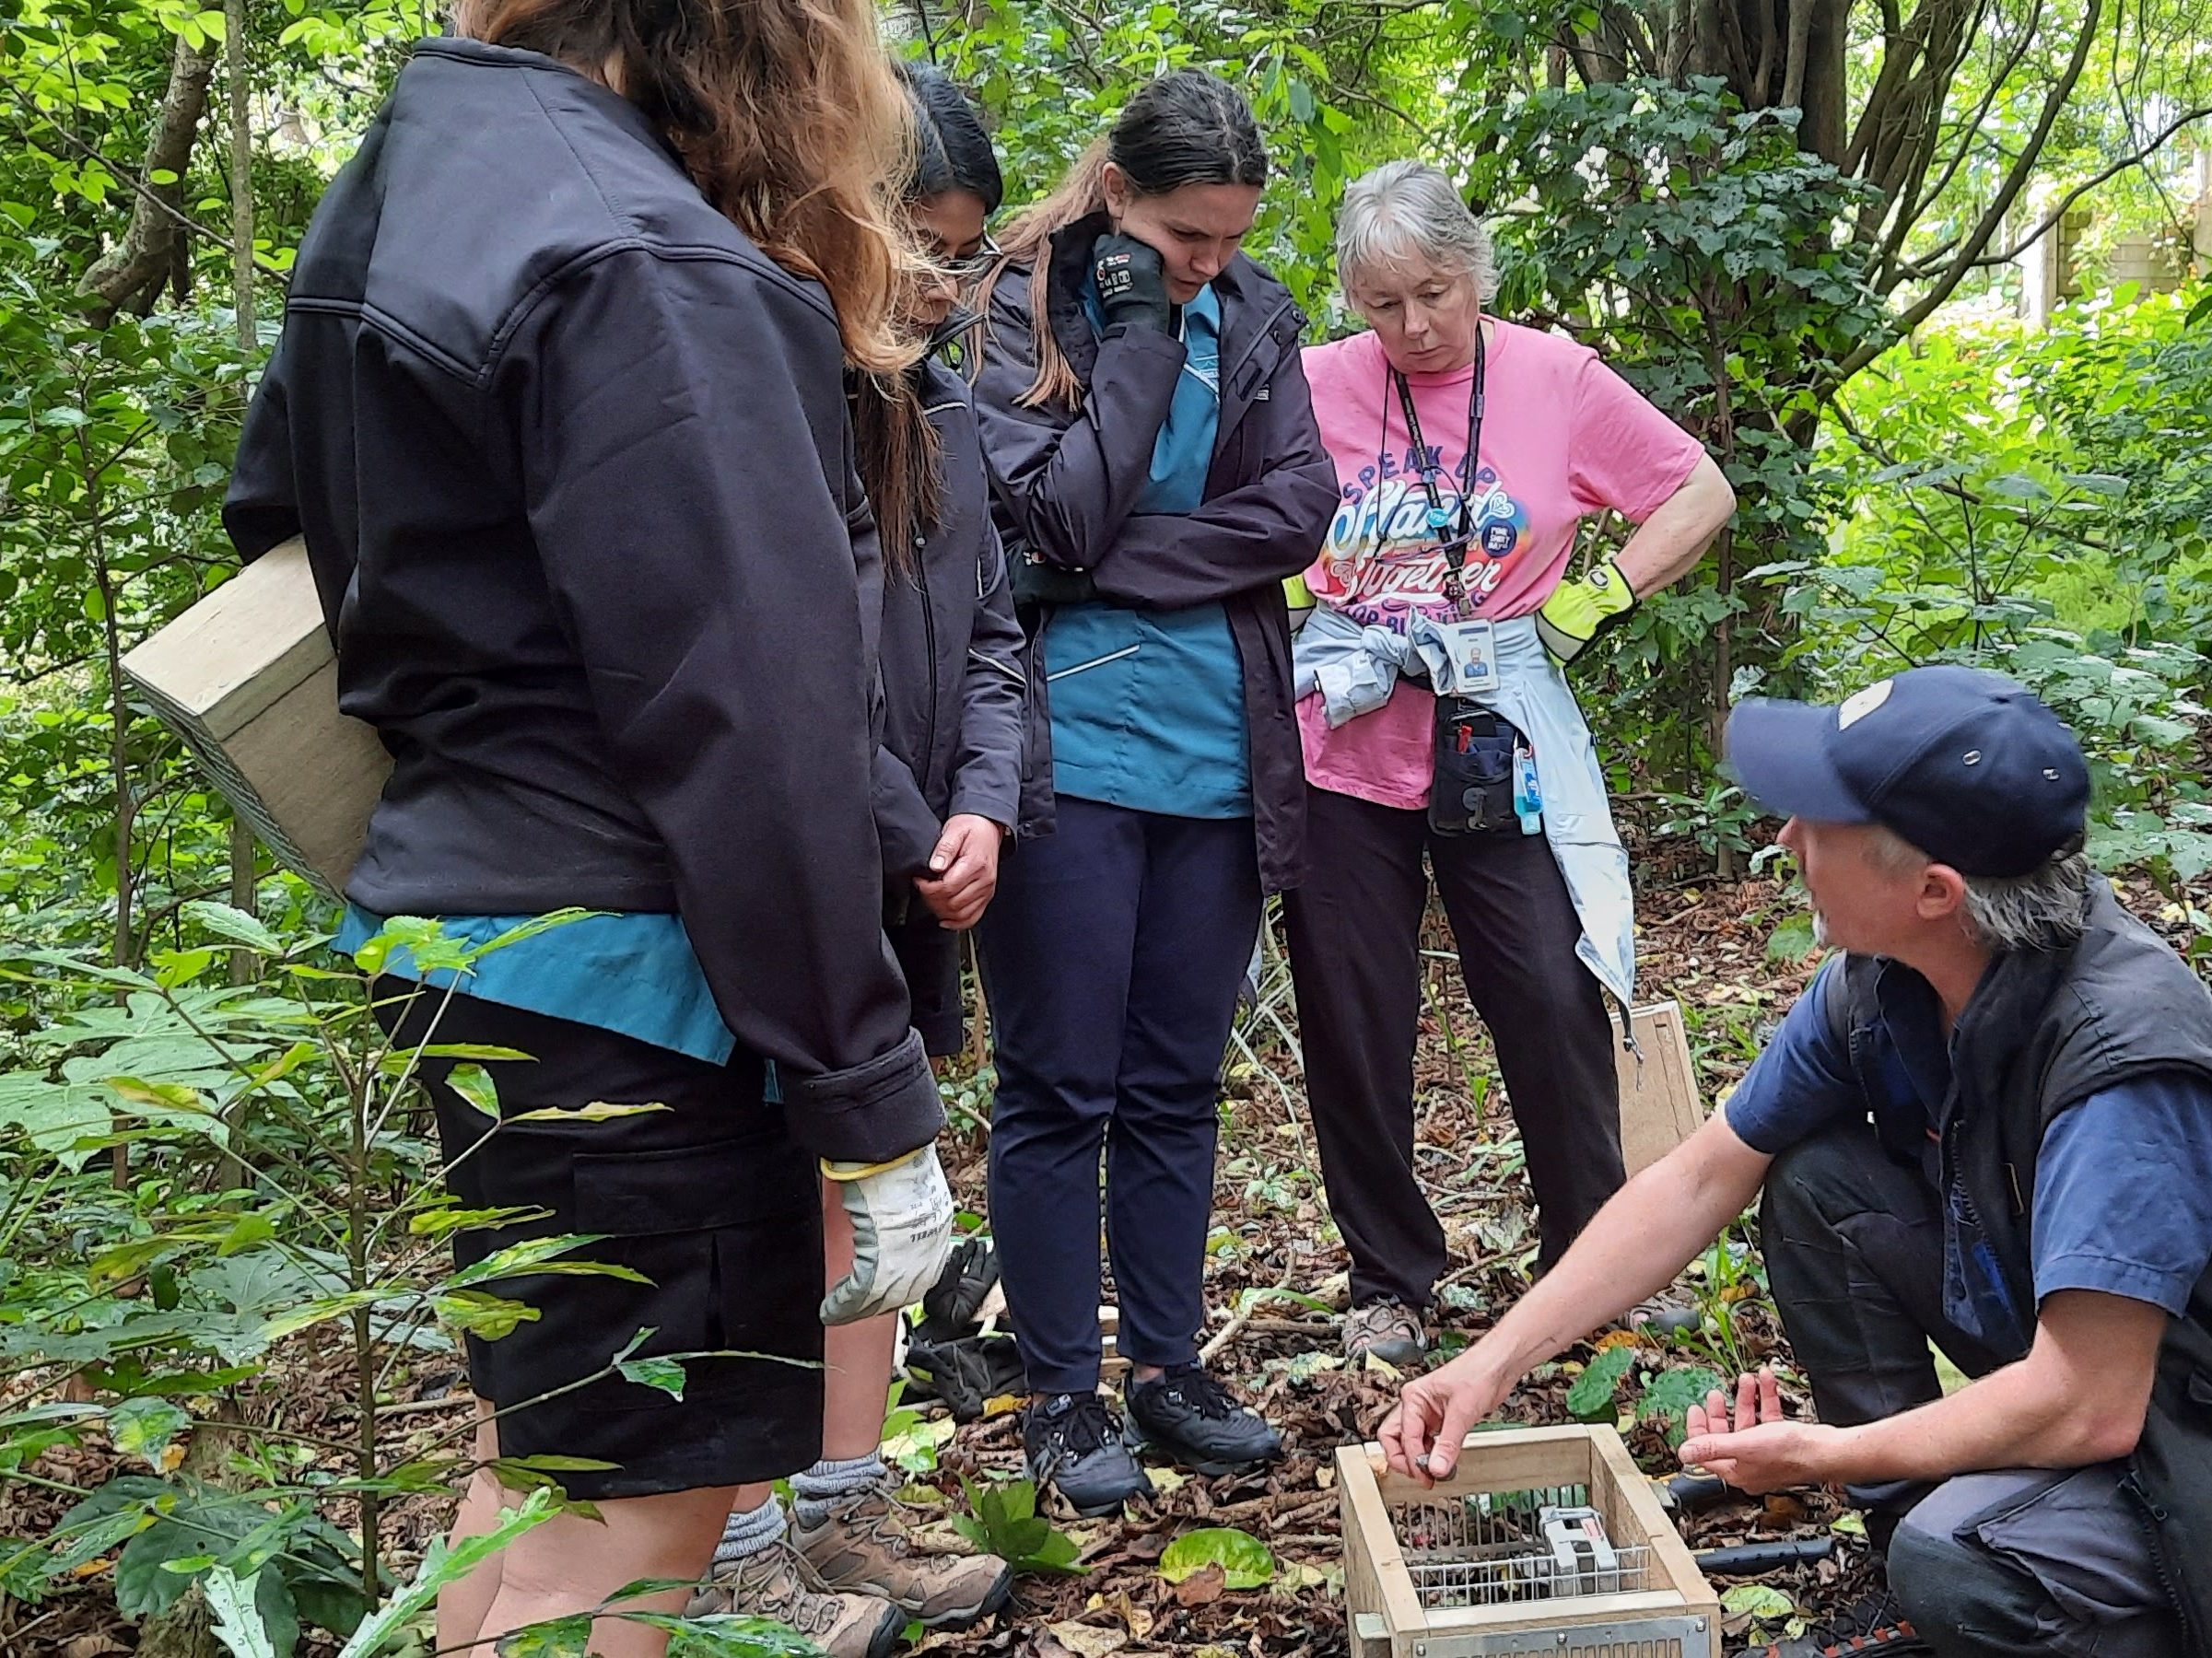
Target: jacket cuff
(867,1114)
(1002,806)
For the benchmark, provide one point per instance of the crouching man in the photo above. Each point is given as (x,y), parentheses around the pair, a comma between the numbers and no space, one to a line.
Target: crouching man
(1988,1126)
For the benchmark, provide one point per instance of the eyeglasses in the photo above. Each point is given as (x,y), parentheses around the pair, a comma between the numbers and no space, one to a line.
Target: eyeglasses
(973,267)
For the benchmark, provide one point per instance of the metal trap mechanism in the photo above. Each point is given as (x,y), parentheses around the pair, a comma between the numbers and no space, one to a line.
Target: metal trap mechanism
(1496,1550)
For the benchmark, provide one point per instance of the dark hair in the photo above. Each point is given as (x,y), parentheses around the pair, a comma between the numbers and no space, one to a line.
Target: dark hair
(952,151)
(1186,127)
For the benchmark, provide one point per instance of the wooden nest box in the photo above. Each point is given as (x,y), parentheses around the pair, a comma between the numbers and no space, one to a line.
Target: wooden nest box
(1505,1556)
(248,680)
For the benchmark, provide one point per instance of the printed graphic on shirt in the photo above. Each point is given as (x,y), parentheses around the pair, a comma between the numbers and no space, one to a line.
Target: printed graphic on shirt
(1203,361)
(1384,558)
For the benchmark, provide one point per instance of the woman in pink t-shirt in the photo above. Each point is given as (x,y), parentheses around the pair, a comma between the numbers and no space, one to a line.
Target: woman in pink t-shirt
(1468,449)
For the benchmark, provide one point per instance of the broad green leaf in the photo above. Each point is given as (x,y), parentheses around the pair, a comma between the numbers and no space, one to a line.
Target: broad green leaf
(1590,1399)
(1670,1396)
(474,1084)
(1244,1558)
(235,925)
(238,1622)
(1791,942)
(538,1255)
(666,1374)
(144,1428)
(1757,1600)
(483,1315)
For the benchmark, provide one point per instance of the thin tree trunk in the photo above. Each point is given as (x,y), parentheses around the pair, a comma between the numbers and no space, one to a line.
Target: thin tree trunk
(241,287)
(130,277)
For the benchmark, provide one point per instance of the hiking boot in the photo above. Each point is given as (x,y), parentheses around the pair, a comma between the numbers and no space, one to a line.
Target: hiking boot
(1188,1415)
(1388,1329)
(1875,1625)
(1074,1443)
(866,1546)
(779,1584)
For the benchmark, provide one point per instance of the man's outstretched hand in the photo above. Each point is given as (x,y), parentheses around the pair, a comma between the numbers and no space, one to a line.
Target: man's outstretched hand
(1762,1450)
(1434,1414)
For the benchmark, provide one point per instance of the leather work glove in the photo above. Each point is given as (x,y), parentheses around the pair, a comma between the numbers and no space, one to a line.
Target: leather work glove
(1133,284)
(902,1233)
(1578,612)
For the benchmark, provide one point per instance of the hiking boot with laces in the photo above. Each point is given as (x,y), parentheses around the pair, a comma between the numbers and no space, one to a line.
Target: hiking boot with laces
(867,1546)
(1387,1328)
(779,1584)
(1875,1625)
(1074,1444)
(1188,1415)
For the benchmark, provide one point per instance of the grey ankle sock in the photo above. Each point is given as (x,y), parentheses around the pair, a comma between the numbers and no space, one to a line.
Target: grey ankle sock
(815,1492)
(745,1534)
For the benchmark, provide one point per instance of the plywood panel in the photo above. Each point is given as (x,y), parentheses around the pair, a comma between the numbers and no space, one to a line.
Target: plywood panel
(1660,1107)
(248,680)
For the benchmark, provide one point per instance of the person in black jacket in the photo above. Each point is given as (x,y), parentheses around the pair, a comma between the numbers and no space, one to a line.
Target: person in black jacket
(1158,472)
(949,784)
(568,443)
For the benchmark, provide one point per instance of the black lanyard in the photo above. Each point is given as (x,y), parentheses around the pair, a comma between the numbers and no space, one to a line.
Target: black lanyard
(1454,547)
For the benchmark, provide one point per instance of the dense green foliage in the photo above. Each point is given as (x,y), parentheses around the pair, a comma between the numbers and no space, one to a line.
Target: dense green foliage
(209,1188)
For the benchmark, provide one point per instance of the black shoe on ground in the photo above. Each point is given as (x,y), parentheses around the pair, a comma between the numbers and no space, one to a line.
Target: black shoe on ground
(1074,1443)
(1875,1625)
(1189,1417)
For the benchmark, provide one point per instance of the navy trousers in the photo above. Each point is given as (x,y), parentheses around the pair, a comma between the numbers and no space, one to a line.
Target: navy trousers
(1111,956)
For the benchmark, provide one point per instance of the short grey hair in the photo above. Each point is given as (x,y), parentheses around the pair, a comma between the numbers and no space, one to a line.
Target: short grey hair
(1405,208)
(2045,909)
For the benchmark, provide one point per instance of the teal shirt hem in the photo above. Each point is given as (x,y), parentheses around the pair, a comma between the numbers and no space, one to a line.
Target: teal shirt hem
(635,974)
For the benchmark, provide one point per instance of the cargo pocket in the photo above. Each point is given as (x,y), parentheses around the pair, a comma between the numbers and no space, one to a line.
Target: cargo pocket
(681,1218)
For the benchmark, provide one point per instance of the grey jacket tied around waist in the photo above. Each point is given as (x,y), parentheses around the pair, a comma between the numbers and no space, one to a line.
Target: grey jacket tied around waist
(1355,669)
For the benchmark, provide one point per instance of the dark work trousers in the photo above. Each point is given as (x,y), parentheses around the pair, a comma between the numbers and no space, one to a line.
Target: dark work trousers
(2011,1560)
(1111,955)
(1354,930)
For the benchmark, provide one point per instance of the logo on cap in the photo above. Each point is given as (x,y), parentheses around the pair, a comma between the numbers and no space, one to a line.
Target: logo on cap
(1860,704)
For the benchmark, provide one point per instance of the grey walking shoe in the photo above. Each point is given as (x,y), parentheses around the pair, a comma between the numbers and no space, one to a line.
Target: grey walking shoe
(1387,1328)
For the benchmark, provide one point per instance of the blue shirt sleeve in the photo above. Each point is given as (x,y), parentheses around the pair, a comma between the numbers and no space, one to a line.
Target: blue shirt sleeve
(2124,1193)
(1802,1082)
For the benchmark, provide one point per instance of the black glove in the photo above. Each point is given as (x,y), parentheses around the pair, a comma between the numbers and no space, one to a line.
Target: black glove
(1133,286)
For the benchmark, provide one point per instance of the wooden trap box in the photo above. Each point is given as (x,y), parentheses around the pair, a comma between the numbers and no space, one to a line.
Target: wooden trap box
(248,680)
(1659,1103)
(1465,1571)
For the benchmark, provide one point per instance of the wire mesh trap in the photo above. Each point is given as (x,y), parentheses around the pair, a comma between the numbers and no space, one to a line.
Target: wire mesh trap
(1543,1540)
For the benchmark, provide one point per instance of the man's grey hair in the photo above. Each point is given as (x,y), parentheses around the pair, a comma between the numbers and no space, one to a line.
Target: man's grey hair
(1410,208)
(2045,909)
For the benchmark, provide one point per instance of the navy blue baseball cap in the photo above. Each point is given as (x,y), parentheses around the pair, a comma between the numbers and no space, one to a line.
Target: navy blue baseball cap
(1967,766)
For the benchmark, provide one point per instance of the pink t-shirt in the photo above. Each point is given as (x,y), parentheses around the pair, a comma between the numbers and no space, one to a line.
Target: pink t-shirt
(1564,437)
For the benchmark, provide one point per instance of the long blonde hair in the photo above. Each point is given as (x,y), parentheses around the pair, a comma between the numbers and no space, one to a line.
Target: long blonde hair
(789,119)
(1186,127)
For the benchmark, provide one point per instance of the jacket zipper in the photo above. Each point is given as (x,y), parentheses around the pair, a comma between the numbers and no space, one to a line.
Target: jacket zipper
(929,634)
(2153,1518)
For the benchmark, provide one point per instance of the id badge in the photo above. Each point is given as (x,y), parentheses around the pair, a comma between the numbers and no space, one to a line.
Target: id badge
(1472,649)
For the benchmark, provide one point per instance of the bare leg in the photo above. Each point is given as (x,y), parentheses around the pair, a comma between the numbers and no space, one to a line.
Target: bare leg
(462,1604)
(569,1564)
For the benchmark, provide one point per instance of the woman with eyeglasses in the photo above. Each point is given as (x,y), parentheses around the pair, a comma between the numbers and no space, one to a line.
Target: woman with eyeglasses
(948,786)
(1438,721)
(1152,451)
